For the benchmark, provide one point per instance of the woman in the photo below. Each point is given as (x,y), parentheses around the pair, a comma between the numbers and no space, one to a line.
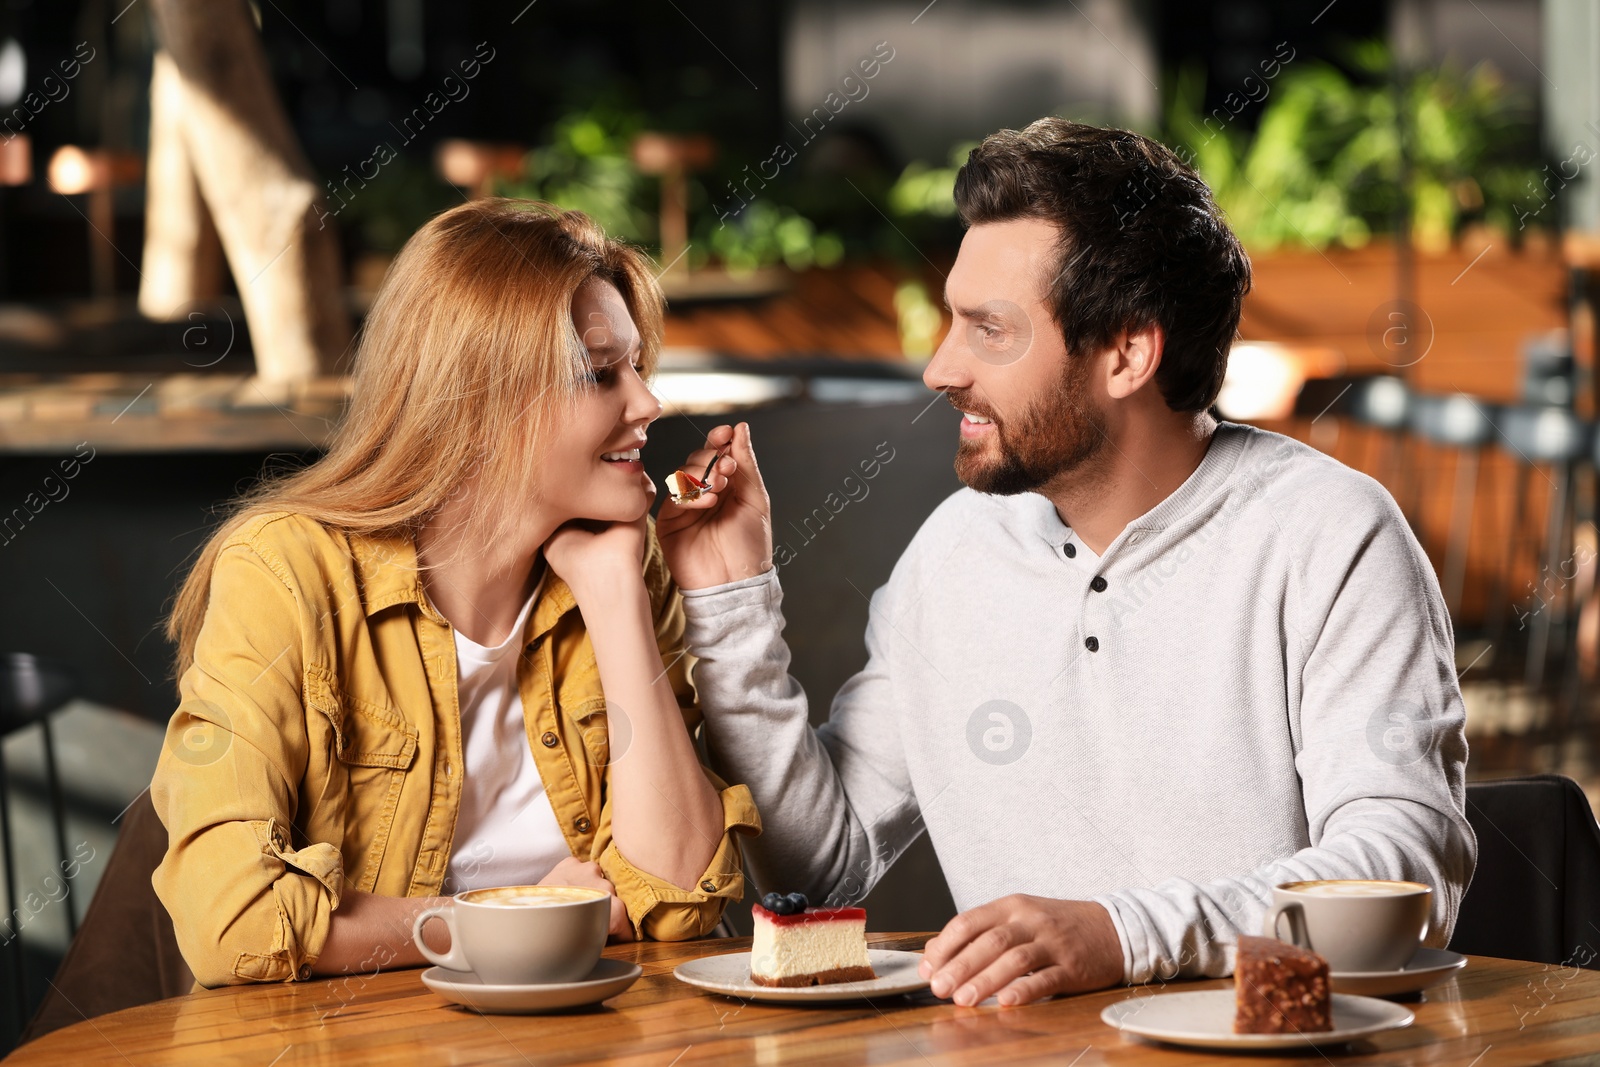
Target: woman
(448,654)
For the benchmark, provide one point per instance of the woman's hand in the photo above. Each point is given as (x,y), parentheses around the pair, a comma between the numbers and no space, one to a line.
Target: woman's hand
(573,871)
(594,557)
(726,534)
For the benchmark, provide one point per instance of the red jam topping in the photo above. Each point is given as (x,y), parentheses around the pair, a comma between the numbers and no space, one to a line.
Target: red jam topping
(810,915)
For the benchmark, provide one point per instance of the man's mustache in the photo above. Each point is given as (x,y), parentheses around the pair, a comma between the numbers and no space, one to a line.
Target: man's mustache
(962,400)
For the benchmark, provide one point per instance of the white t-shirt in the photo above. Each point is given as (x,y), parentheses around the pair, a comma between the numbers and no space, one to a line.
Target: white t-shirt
(506,831)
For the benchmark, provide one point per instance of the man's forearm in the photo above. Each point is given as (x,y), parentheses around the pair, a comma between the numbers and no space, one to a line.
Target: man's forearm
(1181,928)
(814,838)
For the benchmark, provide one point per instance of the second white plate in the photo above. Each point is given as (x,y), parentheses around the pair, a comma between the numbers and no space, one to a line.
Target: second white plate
(1205,1020)
(730,975)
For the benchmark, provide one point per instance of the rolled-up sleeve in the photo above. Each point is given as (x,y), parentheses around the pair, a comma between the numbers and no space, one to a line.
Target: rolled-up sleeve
(662,911)
(249,902)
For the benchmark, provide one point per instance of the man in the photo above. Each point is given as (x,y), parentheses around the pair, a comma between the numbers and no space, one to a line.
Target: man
(1145,667)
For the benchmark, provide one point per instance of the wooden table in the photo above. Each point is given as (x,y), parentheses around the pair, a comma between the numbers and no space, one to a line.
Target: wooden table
(1494,1014)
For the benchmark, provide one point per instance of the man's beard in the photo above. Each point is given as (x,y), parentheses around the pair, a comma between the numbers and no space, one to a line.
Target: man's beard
(1058,434)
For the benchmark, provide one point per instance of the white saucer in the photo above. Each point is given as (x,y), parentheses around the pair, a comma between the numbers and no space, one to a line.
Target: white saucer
(1205,1020)
(608,978)
(1428,967)
(730,975)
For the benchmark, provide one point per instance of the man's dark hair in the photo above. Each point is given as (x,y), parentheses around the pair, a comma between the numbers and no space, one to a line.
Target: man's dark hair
(1142,243)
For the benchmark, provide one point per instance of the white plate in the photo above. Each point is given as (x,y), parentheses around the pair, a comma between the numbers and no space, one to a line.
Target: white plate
(1428,967)
(1205,1020)
(730,975)
(608,978)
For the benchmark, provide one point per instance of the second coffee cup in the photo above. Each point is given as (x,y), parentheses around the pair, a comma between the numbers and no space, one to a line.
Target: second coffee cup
(1357,925)
(521,935)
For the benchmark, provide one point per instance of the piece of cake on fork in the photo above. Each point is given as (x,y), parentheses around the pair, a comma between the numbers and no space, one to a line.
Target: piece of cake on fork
(797,945)
(1280,988)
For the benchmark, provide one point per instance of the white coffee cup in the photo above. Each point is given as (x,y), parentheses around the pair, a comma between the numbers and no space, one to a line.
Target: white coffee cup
(521,935)
(1357,925)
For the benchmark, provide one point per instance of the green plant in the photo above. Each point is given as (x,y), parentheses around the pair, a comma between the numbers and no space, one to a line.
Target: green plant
(587,165)
(925,190)
(918,319)
(765,234)
(1325,166)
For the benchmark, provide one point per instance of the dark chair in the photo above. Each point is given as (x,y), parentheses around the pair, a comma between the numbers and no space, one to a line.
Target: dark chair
(30,690)
(1548,369)
(1324,397)
(1381,400)
(1462,423)
(1536,892)
(1379,403)
(126,954)
(1538,438)
(1382,404)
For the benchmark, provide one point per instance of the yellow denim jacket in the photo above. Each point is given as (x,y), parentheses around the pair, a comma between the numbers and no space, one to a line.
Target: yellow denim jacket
(318,746)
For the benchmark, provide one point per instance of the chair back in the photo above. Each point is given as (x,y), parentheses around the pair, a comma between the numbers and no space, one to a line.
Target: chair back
(1456,419)
(1322,396)
(30,688)
(1382,401)
(1536,892)
(1547,368)
(126,952)
(1543,434)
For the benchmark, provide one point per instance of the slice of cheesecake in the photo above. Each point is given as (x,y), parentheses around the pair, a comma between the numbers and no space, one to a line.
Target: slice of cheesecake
(817,946)
(685,487)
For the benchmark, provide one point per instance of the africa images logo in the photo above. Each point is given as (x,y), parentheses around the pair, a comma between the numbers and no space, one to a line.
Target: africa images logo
(998,732)
(205,736)
(1401,732)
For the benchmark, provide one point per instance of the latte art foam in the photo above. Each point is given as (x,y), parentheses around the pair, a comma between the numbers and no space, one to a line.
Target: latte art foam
(1354,888)
(531,896)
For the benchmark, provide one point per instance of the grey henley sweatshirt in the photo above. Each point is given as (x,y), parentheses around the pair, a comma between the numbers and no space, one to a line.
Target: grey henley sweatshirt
(1254,684)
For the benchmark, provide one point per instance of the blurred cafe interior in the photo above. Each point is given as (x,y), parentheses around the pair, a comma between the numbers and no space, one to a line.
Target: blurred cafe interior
(1414,181)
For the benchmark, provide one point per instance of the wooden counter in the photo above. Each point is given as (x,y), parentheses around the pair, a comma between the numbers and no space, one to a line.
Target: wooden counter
(1495,1013)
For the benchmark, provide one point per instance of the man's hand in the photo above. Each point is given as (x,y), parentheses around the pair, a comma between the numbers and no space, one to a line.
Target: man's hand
(573,871)
(725,534)
(1024,949)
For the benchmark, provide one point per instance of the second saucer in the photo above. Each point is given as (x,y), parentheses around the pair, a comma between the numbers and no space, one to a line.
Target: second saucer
(1428,967)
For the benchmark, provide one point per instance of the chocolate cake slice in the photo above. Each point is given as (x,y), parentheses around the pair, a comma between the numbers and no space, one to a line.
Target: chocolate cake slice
(1280,988)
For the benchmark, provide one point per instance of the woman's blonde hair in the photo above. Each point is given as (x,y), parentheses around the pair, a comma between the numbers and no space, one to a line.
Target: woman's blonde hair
(467,361)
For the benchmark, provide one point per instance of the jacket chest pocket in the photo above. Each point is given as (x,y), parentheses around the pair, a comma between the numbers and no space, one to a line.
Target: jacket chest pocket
(591,721)
(372,748)
(574,679)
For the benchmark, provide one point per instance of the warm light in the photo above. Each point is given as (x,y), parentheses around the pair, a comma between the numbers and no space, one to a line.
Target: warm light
(74,170)
(471,163)
(16,160)
(703,392)
(659,153)
(1262,382)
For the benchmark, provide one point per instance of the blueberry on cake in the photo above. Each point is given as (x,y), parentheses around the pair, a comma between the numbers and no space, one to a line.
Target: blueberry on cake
(797,945)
